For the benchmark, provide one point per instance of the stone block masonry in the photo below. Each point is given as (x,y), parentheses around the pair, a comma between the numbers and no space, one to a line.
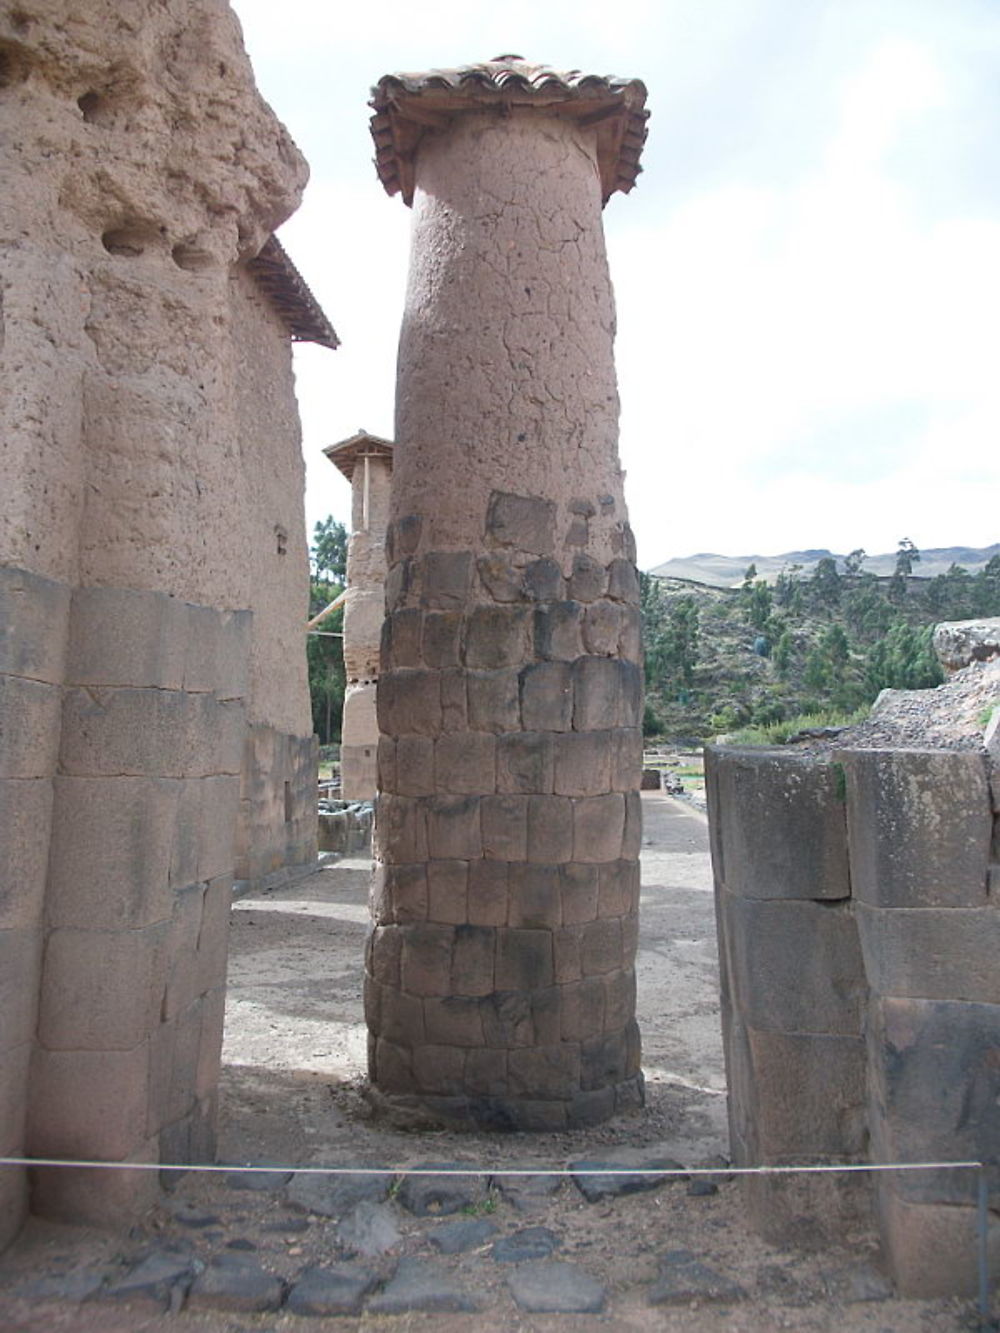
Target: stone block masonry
(861,1010)
(500,987)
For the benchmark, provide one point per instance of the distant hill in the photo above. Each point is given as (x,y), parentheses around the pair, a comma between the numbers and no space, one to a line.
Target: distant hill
(726,571)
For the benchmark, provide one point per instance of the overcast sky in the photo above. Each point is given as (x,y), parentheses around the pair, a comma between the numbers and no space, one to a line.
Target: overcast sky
(807,275)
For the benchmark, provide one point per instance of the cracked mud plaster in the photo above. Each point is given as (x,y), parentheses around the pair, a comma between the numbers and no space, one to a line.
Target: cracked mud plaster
(506,378)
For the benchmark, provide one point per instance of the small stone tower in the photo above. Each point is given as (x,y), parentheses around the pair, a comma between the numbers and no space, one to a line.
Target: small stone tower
(500,985)
(366,462)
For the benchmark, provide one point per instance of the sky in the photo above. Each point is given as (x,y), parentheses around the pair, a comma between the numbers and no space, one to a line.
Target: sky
(807,275)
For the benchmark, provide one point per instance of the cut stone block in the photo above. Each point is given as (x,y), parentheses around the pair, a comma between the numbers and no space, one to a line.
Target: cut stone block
(794,966)
(534,896)
(525,762)
(414,767)
(558,629)
(525,523)
(934,1079)
(549,829)
(441,644)
(444,578)
(425,965)
(547,697)
(448,891)
(598,827)
(453,827)
(408,703)
(947,953)
(26,820)
(583,762)
(544,1072)
(493,700)
(89,1104)
(34,622)
(465,762)
(488,893)
(523,960)
(505,826)
(800,849)
(31,719)
(920,825)
(931,1250)
(124,636)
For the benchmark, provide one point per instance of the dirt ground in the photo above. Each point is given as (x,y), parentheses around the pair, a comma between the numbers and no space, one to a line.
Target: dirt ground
(292,1094)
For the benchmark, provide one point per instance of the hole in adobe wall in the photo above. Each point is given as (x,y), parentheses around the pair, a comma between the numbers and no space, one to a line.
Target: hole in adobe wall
(289,812)
(190,257)
(130,239)
(90,105)
(281,541)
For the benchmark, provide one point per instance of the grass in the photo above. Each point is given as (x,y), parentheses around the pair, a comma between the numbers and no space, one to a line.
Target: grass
(778,733)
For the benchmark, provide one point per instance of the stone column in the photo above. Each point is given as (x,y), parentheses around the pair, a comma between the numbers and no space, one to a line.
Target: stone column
(500,986)
(366,462)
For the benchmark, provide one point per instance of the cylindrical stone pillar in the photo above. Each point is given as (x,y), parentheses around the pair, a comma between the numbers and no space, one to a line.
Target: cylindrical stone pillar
(366,462)
(500,985)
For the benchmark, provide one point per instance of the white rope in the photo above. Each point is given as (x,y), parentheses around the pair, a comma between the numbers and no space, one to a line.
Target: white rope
(227,1168)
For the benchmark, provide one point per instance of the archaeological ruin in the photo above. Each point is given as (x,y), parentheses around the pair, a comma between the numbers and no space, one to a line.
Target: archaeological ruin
(156,747)
(500,985)
(156,731)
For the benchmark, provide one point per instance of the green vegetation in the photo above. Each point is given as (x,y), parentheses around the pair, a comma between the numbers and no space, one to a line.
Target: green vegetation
(325,654)
(763,661)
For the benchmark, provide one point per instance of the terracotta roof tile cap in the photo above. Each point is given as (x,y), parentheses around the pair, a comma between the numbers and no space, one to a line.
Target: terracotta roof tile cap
(408,106)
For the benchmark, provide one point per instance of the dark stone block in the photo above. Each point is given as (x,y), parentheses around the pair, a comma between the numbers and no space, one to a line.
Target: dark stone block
(623,582)
(557,1288)
(582,1009)
(524,960)
(547,697)
(444,579)
(425,966)
(793,966)
(590,1108)
(559,631)
(422,1287)
(630,641)
(487,899)
(472,963)
(400,829)
(525,762)
(408,703)
(601,949)
(405,891)
(441,642)
(405,535)
(232,1282)
(333,1196)
(401,633)
(602,626)
(636,1172)
(528,1243)
(497,636)
(448,1188)
(161,1279)
(459,1237)
(507,1020)
(920,827)
(544,1072)
(946,953)
(465,761)
(527,1193)
(439,1070)
(534,895)
(501,577)
(543,581)
(588,579)
(632,836)
(333,1290)
(505,827)
(626,760)
(550,829)
(401,1017)
(800,849)
(583,762)
(619,990)
(454,1020)
(934,1067)
(580,884)
(453,829)
(398,584)
(597,693)
(414,766)
(494,700)
(486,1071)
(603,1061)
(525,523)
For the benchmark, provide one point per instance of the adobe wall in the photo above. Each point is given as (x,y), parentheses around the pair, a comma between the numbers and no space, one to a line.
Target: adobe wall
(861,998)
(140,166)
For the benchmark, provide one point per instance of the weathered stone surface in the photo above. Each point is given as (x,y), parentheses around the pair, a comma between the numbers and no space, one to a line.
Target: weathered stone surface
(959,642)
(558,631)
(338,1289)
(535,899)
(629,1178)
(493,700)
(523,960)
(524,762)
(583,762)
(930,1248)
(335,1196)
(920,825)
(235,1282)
(425,964)
(260,1182)
(528,1193)
(800,849)
(528,1243)
(505,826)
(554,1287)
(368,1230)
(470,1233)
(487,902)
(447,891)
(541,1072)
(414,767)
(795,966)
(162,1280)
(935,1085)
(409,703)
(588,579)
(497,636)
(947,953)
(419,1286)
(441,643)
(453,827)
(598,827)
(684,1278)
(547,697)
(525,523)
(444,579)
(543,581)
(449,1189)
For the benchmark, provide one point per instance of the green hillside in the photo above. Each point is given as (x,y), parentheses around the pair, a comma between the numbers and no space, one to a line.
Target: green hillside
(826,642)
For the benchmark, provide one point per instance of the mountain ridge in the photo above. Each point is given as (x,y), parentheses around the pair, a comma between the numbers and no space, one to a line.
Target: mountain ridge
(722,571)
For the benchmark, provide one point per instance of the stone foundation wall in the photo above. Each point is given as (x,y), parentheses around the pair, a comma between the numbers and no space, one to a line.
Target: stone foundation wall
(861,997)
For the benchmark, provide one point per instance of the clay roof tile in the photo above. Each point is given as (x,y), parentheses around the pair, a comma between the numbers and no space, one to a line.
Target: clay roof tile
(408,106)
(286,289)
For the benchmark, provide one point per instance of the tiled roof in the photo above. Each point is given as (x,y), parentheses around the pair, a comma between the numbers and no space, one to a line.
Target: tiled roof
(345,454)
(407,106)
(286,289)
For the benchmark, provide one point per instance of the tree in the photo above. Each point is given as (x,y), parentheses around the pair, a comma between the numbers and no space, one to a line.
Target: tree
(325,650)
(906,557)
(854,561)
(824,586)
(903,659)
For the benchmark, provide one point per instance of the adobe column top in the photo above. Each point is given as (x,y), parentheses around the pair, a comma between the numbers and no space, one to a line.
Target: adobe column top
(408,106)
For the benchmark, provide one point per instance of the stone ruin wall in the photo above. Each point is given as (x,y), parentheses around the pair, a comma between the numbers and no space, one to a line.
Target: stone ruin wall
(856,899)
(150,458)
